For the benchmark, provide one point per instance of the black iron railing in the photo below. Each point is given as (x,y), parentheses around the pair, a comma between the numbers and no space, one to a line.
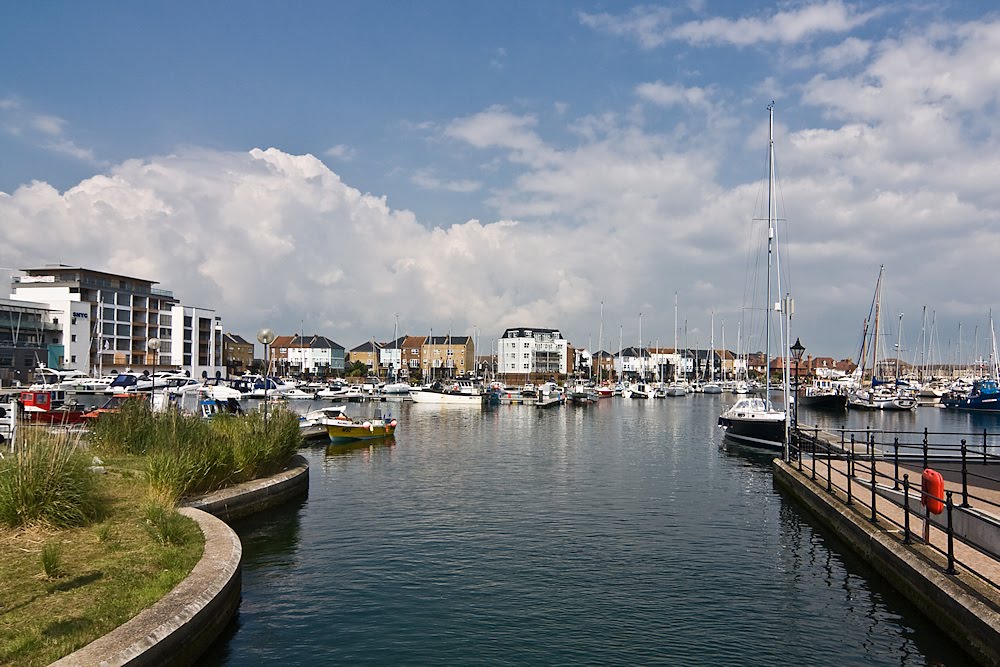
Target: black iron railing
(872,472)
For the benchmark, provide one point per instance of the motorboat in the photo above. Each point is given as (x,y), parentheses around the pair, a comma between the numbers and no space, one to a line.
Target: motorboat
(129,382)
(51,407)
(822,394)
(754,421)
(983,397)
(456,392)
(340,428)
(882,397)
(636,390)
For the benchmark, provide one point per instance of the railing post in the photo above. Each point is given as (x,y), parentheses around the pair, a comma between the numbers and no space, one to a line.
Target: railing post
(965,477)
(951,537)
(985,461)
(874,518)
(798,446)
(895,463)
(829,468)
(850,473)
(906,509)
(868,437)
(925,448)
(815,440)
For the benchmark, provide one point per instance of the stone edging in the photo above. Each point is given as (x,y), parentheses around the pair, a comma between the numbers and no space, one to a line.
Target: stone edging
(971,622)
(257,495)
(183,623)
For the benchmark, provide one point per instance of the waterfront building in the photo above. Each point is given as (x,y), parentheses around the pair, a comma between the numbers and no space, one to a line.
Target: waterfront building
(537,353)
(315,355)
(237,353)
(366,353)
(410,355)
(604,365)
(107,320)
(28,339)
(447,356)
(390,356)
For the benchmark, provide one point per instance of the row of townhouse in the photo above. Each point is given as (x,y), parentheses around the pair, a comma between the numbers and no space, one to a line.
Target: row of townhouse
(93,321)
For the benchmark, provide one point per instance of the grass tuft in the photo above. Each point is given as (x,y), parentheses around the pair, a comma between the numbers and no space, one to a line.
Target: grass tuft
(48,482)
(168,527)
(52,563)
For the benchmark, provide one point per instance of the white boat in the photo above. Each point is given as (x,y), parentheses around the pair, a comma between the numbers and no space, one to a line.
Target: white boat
(455,392)
(129,382)
(396,389)
(636,390)
(312,424)
(754,421)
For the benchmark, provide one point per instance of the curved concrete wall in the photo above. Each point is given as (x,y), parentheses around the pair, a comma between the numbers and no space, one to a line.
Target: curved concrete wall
(180,626)
(257,495)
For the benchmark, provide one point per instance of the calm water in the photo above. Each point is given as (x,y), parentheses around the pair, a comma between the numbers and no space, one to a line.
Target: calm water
(621,533)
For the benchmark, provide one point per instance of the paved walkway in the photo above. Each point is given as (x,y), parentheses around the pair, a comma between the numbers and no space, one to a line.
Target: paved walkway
(984,496)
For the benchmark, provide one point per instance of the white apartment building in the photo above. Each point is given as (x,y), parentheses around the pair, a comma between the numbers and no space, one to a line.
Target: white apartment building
(107,321)
(526,350)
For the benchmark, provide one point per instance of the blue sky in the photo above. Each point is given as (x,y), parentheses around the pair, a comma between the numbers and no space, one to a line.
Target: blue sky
(473,166)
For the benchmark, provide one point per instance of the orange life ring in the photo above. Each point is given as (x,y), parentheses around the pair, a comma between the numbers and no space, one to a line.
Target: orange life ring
(932,491)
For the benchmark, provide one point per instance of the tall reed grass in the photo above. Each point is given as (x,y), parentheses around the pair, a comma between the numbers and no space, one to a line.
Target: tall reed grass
(48,482)
(188,455)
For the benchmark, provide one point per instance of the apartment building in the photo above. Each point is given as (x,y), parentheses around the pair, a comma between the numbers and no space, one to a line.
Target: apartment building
(531,352)
(107,320)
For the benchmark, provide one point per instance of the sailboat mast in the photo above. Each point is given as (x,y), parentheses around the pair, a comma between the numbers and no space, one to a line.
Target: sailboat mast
(676,356)
(600,342)
(878,309)
(641,367)
(770,250)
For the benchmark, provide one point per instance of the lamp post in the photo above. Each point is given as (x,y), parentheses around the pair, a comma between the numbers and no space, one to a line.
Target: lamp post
(797,351)
(153,345)
(266,337)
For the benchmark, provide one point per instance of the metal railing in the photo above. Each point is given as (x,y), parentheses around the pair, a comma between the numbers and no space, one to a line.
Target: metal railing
(870,471)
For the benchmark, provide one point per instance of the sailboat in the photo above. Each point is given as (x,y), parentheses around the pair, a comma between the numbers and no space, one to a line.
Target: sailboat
(879,394)
(712,387)
(676,388)
(753,420)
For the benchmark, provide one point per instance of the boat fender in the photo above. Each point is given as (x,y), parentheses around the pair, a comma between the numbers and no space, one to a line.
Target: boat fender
(932,491)
(393,423)
(367,425)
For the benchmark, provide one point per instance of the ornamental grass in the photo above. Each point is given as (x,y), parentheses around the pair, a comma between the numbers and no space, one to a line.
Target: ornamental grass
(47,482)
(187,455)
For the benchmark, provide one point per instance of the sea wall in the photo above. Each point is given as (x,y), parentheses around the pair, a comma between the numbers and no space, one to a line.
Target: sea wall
(959,605)
(257,495)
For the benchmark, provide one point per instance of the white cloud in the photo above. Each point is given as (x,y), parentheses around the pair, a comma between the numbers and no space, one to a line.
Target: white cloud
(672,95)
(426,179)
(653,27)
(45,131)
(341,152)
(849,52)
(498,128)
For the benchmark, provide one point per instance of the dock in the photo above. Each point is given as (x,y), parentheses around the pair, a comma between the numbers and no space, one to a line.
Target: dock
(868,491)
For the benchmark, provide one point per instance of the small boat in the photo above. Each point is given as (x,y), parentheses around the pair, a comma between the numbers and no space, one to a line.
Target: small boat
(311,424)
(822,394)
(210,407)
(636,390)
(341,428)
(754,421)
(983,397)
(114,404)
(51,407)
(881,397)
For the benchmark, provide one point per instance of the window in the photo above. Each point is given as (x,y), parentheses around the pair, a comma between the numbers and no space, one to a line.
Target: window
(72,338)
(124,330)
(73,359)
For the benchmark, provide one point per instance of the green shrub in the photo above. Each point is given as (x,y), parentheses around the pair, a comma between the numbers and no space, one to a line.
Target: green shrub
(48,482)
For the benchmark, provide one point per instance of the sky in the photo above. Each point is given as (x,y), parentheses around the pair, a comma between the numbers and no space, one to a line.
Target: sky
(355,169)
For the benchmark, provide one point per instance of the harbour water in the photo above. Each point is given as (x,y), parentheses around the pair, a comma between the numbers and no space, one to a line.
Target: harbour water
(625,532)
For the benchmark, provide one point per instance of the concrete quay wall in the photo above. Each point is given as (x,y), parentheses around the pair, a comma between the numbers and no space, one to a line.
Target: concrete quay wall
(959,604)
(179,627)
(257,495)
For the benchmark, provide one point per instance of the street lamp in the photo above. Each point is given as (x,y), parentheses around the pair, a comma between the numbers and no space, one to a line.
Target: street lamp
(153,345)
(266,337)
(797,351)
